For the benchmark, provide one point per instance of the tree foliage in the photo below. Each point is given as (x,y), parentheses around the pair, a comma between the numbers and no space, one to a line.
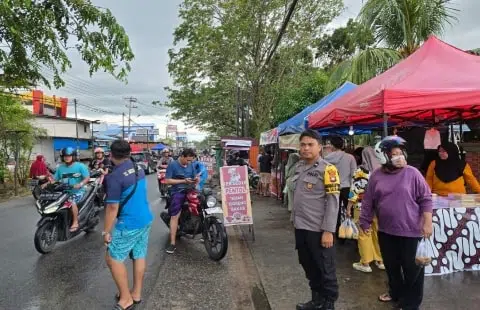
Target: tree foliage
(343,43)
(222,46)
(399,28)
(38,33)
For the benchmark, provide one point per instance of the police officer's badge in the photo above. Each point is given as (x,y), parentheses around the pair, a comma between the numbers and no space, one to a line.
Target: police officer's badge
(331,180)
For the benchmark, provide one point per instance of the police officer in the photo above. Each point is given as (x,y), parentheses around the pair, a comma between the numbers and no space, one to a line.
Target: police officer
(315,211)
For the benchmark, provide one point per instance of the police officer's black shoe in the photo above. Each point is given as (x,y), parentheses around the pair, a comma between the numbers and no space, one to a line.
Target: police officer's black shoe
(328,305)
(315,304)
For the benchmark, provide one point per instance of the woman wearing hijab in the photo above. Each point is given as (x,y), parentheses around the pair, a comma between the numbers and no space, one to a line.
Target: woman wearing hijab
(448,174)
(39,167)
(289,174)
(368,247)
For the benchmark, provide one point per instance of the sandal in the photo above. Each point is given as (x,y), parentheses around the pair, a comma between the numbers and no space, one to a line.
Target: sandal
(135,302)
(119,307)
(73,229)
(385,298)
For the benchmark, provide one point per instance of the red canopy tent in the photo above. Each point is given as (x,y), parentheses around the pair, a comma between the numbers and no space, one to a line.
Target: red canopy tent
(437,82)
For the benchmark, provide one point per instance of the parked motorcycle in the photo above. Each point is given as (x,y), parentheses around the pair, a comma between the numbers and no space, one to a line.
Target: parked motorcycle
(198,217)
(162,186)
(53,207)
(253,178)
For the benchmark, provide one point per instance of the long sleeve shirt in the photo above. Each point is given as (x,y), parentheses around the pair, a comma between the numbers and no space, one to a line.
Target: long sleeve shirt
(455,187)
(398,200)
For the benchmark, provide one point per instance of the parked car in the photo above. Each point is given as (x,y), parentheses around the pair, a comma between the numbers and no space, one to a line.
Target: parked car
(145,161)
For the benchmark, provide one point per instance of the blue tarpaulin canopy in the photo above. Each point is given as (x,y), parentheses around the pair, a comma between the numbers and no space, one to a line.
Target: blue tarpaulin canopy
(158,147)
(296,124)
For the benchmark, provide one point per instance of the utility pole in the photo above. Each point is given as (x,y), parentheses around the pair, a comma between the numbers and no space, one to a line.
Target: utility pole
(76,124)
(130,106)
(123,126)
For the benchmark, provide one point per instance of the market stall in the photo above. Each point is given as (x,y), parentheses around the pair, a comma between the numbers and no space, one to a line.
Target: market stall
(455,243)
(269,139)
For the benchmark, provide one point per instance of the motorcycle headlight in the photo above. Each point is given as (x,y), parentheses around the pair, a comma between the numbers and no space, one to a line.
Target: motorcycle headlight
(211,202)
(51,208)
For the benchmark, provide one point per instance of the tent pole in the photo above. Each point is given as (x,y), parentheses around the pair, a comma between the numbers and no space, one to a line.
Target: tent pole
(385,125)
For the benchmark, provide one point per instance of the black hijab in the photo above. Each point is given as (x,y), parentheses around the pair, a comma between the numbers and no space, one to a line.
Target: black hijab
(452,168)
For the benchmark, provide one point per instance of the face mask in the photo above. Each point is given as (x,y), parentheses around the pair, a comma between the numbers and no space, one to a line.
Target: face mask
(398,161)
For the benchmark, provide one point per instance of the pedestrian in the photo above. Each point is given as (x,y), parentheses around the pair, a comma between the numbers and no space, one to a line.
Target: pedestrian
(315,211)
(401,199)
(346,166)
(368,246)
(128,203)
(265,173)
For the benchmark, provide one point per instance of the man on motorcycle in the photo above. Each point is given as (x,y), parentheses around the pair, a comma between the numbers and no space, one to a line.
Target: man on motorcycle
(180,174)
(100,161)
(74,174)
(165,160)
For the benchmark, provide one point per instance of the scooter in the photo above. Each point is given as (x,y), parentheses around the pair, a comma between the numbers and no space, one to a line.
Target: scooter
(53,206)
(162,186)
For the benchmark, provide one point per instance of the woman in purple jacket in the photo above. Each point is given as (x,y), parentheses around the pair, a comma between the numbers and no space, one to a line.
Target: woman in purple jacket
(401,199)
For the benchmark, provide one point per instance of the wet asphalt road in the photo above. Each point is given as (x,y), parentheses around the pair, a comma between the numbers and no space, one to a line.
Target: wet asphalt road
(75,275)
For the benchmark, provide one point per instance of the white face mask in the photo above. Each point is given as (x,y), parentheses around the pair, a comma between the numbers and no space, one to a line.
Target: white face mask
(399,161)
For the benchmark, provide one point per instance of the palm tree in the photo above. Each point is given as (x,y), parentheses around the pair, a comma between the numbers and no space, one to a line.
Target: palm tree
(399,27)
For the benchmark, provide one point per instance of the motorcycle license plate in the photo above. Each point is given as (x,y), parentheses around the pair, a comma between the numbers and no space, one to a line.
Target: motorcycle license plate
(214,210)
(33,183)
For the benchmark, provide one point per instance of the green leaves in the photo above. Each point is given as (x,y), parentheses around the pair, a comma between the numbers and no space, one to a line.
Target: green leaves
(39,33)
(223,45)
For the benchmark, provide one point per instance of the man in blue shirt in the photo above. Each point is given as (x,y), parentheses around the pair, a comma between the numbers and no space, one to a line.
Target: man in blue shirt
(74,174)
(127,201)
(180,174)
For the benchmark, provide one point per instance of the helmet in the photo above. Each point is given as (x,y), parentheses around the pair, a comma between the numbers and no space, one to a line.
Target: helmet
(165,151)
(68,151)
(384,148)
(99,150)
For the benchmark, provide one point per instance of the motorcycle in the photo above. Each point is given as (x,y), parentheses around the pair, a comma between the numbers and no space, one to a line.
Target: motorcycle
(35,185)
(253,177)
(162,186)
(53,206)
(96,175)
(198,217)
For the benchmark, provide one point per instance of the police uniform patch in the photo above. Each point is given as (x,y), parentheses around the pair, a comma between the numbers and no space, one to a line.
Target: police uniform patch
(331,180)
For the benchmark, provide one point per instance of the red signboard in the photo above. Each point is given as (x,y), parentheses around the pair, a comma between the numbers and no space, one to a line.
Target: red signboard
(236,203)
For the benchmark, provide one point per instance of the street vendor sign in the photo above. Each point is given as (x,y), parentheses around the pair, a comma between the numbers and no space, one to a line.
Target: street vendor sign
(236,203)
(209,163)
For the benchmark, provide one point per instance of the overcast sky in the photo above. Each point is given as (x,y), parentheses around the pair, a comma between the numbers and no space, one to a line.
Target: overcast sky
(150,24)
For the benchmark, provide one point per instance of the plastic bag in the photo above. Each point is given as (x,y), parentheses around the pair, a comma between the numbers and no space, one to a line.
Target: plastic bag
(348,230)
(421,257)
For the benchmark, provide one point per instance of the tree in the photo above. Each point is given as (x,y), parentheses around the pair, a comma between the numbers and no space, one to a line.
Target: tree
(343,43)
(305,90)
(37,34)
(16,134)
(399,28)
(233,55)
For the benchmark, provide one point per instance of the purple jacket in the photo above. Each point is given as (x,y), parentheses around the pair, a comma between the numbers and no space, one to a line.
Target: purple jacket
(398,200)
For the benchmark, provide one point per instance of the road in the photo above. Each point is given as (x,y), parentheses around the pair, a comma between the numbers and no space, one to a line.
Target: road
(75,275)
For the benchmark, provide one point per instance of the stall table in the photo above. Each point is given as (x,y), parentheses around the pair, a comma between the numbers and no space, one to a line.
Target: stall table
(455,242)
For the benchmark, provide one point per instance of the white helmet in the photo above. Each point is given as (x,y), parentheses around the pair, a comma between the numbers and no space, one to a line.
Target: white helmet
(384,148)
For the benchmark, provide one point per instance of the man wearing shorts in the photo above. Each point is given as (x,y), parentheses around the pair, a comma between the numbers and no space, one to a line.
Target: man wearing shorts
(265,173)
(76,175)
(129,238)
(179,175)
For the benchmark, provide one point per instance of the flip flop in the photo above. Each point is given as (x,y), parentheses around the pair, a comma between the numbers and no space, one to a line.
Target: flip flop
(119,307)
(73,229)
(385,298)
(135,302)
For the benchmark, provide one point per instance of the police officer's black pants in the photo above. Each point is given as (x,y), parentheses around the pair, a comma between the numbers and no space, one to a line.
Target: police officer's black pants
(405,278)
(318,263)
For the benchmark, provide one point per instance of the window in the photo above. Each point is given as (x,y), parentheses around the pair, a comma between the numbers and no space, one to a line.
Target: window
(85,128)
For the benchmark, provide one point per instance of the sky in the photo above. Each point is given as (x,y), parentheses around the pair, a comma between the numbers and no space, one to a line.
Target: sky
(150,25)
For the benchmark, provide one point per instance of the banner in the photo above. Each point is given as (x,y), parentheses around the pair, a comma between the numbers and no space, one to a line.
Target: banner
(289,142)
(171,128)
(209,163)
(236,203)
(269,137)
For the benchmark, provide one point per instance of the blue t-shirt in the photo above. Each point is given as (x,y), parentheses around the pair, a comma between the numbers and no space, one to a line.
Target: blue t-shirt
(175,171)
(72,175)
(136,212)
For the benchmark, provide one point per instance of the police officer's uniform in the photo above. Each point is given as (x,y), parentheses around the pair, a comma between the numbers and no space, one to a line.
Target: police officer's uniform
(315,210)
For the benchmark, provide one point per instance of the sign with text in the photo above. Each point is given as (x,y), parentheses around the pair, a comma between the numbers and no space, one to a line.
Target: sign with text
(171,128)
(209,163)
(236,203)
(269,137)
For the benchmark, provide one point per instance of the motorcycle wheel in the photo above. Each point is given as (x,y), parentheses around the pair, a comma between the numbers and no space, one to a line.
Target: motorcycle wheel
(37,190)
(216,241)
(255,182)
(46,237)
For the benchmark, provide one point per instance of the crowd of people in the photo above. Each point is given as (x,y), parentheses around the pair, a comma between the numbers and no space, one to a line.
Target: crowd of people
(389,201)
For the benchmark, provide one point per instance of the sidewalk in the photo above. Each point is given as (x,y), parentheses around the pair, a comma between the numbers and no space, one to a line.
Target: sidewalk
(285,285)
